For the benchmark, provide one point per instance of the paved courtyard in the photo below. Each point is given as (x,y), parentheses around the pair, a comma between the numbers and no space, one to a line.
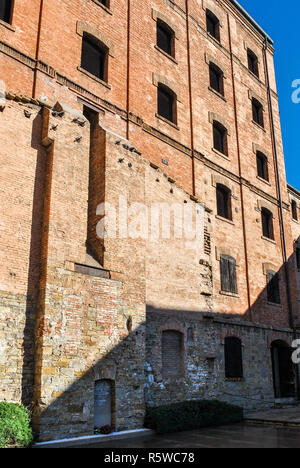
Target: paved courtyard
(235,436)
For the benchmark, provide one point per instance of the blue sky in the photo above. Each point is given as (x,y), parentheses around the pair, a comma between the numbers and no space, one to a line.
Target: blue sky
(281,22)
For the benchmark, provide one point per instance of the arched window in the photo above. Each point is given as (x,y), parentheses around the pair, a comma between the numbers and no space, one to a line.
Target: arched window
(172,354)
(233,358)
(216,78)
(166,103)
(220,137)
(262,166)
(294,210)
(94,57)
(212,25)
(257,112)
(273,288)
(165,38)
(224,202)
(228,274)
(6,10)
(267,223)
(253,62)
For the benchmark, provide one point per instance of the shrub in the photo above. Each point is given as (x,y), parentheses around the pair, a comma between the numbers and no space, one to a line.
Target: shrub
(189,415)
(15,430)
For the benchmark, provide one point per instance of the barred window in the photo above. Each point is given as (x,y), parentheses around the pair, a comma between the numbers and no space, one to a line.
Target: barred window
(233,358)
(216,78)
(267,223)
(228,274)
(172,354)
(262,166)
(257,112)
(252,62)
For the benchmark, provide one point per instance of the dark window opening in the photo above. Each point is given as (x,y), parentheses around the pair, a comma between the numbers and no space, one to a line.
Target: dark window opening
(228,274)
(166,103)
(220,138)
(233,358)
(262,166)
(94,58)
(213,25)
(172,354)
(253,63)
(216,79)
(273,289)
(224,202)
(267,223)
(294,210)
(105,3)
(284,375)
(6,10)
(165,38)
(257,112)
(298,258)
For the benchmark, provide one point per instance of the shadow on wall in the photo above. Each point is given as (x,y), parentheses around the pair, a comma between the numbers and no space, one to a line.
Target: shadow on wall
(34,264)
(115,389)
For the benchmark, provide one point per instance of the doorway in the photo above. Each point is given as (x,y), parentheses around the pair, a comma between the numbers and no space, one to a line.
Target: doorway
(103,403)
(283,370)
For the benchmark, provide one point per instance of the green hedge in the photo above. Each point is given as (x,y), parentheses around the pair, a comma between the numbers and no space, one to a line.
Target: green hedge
(189,415)
(15,430)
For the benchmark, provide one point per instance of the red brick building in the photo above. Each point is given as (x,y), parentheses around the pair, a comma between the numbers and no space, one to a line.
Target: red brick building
(159,102)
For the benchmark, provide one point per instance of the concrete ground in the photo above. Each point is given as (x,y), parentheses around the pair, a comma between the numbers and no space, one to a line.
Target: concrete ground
(235,436)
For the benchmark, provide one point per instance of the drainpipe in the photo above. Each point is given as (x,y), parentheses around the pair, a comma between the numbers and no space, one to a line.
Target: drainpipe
(190,97)
(128,68)
(281,220)
(37,53)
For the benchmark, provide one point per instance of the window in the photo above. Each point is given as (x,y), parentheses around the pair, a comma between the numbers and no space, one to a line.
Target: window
(262,166)
(212,25)
(233,358)
(94,58)
(253,62)
(257,112)
(224,202)
(216,78)
(220,137)
(5,10)
(172,354)
(298,257)
(165,38)
(273,287)
(228,274)
(166,103)
(267,223)
(105,3)
(294,210)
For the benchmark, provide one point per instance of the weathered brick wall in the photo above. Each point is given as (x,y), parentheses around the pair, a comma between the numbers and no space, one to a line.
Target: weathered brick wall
(204,376)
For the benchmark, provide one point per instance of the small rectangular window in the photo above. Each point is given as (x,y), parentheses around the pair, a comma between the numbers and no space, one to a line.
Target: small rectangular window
(257,112)
(233,358)
(166,104)
(6,10)
(294,210)
(298,257)
(228,274)
(253,63)
(165,38)
(94,58)
(273,289)
(216,79)
(220,137)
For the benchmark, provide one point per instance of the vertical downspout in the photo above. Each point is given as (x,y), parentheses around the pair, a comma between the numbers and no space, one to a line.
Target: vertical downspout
(190,96)
(240,175)
(281,221)
(128,67)
(37,53)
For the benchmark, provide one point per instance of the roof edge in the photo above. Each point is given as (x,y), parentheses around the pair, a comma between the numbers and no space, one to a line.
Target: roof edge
(293,189)
(251,21)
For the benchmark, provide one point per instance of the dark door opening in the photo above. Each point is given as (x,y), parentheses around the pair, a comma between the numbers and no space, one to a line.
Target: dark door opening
(283,370)
(103,399)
